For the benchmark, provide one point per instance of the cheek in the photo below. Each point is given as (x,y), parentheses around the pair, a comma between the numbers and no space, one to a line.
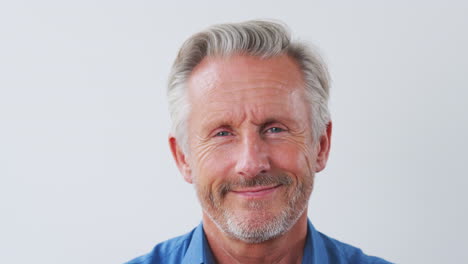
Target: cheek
(211,165)
(293,157)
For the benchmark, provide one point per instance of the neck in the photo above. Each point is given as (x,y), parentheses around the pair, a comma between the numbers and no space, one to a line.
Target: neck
(287,248)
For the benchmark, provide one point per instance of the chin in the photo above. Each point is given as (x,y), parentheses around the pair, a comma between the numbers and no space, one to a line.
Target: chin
(256,226)
(255,220)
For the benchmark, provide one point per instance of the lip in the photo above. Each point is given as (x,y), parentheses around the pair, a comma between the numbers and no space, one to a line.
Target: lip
(257,191)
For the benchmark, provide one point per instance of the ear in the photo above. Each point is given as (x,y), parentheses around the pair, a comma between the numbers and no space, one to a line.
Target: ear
(323,148)
(180,159)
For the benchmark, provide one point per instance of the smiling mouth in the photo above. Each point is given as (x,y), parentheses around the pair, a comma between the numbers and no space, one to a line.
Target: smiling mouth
(257,191)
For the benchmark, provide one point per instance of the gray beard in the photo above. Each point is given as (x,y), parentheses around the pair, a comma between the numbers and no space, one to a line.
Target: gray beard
(266,227)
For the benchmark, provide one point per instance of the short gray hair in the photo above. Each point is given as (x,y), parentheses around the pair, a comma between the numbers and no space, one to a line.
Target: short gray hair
(263,39)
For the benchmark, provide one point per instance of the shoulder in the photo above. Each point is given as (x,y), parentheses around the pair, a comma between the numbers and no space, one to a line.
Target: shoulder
(345,253)
(169,251)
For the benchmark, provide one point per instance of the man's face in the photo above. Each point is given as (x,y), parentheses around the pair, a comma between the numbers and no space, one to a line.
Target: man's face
(251,153)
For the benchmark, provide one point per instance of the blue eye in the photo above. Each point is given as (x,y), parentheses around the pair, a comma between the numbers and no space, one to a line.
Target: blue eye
(223,134)
(274,130)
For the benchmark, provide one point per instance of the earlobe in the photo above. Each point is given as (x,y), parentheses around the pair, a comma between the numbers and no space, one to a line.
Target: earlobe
(324,149)
(187,174)
(180,159)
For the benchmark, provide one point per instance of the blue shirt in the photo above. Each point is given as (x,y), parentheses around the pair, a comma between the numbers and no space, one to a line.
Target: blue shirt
(192,248)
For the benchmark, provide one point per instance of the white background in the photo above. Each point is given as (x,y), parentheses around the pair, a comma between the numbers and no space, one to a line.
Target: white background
(86,174)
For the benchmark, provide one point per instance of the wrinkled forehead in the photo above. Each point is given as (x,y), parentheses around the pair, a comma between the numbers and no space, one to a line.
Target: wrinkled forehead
(232,90)
(239,77)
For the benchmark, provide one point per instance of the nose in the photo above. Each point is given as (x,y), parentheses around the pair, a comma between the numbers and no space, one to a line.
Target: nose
(252,157)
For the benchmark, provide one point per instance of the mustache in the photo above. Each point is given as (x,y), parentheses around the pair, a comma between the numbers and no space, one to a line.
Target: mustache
(259,180)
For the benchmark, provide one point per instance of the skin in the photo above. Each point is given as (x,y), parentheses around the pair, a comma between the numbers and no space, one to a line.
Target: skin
(249,119)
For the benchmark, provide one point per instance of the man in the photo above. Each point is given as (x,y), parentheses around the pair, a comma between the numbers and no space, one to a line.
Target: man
(251,127)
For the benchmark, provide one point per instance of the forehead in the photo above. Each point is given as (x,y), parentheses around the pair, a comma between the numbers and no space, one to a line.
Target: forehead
(240,84)
(239,75)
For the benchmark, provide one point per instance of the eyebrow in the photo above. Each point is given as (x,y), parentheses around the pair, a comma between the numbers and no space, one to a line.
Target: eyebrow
(208,126)
(268,122)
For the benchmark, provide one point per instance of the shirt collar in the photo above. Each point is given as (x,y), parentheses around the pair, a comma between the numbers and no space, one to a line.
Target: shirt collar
(195,251)
(314,250)
(199,252)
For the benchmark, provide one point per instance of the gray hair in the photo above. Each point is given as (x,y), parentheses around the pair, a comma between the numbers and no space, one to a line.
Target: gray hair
(264,39)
